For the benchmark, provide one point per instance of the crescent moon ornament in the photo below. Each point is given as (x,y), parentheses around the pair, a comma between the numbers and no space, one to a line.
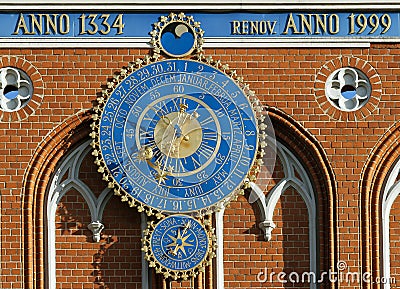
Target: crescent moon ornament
(177,36)
(180,30)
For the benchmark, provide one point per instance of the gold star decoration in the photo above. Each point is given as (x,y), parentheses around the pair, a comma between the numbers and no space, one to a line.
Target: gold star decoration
(161,177)
(180,246)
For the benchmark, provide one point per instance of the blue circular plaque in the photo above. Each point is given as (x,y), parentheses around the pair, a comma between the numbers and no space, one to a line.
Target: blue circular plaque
(178,136)
(177,39)
(177,35)
(178,245)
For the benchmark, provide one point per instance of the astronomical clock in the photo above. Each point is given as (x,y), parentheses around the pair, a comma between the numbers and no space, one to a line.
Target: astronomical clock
(177,135)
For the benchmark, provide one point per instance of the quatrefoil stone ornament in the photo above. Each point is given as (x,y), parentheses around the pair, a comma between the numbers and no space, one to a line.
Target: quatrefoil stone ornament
(16,89)
(348,89)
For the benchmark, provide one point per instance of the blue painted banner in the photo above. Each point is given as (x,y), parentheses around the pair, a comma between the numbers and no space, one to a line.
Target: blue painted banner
(238,25)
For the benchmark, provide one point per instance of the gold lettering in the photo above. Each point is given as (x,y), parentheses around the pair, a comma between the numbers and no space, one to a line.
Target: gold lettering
(313,24)
(334,24)
(43,24)
(64,24)
(36,23)
(319,23)
(271,27)
(263,27)
(51,24)
(253,27)
(235,27)
(21,25)
(306,24)
(245,27)
(290,24)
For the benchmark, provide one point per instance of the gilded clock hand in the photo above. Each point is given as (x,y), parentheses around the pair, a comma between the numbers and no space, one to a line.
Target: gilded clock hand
(179,126)
(193,115)
(162,175)
(183,128)
(187,227)
(182,111)
(180,240)
(164,118)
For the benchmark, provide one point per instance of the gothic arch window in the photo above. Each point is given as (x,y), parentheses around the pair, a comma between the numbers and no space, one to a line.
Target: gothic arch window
(294,177)
(390,210)
(76,178)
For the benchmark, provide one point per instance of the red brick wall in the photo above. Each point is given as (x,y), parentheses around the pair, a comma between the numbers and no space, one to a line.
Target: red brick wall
(246,253)
(74,249)
(120,258)
(250,261)
(114,262)
(283,78)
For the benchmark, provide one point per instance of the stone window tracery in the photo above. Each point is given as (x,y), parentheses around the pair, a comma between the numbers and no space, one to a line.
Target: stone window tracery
(348,89)
(295,176)
(16,89)
(67,178)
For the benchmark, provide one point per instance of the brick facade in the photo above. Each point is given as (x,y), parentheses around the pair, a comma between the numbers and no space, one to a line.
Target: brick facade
(347,158)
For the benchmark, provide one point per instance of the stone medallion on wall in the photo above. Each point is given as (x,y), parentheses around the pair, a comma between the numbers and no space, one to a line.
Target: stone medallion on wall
(348,88)
(21,89)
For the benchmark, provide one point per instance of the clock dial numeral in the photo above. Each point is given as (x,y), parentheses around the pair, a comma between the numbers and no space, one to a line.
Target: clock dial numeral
(145,134)
(159,158)
(206,121)
(152,121)
(225,83)
(219,112)
(177,103)
(202,175)
(196,163)
(130,133)
(177,182)
(210,136)
(160,109)
(183,165)
(205,150)
(179,166)
(162,204)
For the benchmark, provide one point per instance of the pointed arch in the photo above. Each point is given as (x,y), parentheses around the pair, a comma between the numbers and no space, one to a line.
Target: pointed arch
(303,186)
(391,191)
(311,156)
(37,175)
(57,189)
(378,189)
(307,169)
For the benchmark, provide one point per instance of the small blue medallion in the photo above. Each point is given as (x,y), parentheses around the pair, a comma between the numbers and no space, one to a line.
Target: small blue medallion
(179,243)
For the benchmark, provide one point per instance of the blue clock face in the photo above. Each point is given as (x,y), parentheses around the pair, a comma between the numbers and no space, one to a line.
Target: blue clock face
(179,243)
(178,135)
